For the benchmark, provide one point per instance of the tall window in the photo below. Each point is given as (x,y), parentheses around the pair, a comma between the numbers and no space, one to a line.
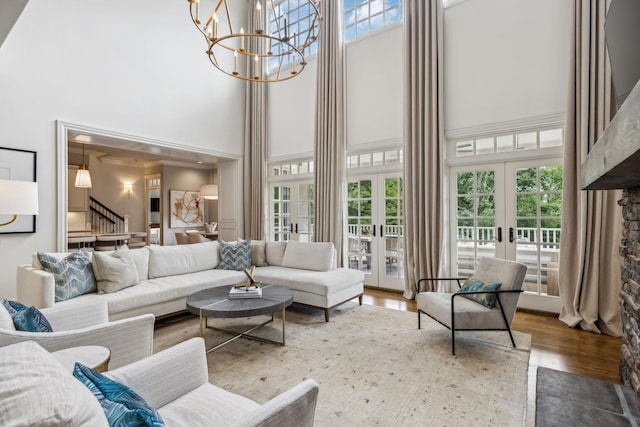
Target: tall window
(299,19)
(363,16)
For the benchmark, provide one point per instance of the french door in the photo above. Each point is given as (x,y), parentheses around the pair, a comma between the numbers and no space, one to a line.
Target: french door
(292,211)
(510,210)
(375,229)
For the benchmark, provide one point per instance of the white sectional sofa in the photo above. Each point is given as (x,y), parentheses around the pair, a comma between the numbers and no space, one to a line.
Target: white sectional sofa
(169,274)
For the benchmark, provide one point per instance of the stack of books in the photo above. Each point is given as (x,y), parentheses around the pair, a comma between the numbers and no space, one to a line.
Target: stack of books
(244,292)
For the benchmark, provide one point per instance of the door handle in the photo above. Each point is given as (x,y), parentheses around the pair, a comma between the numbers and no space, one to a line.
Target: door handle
(381,230)
(510,234)
(296,228)
(374,230)
(291,228)
(499,234)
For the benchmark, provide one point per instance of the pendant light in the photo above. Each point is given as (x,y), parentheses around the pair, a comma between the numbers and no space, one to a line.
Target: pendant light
(83,179)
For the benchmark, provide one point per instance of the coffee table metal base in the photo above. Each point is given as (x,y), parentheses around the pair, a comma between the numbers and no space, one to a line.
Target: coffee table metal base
(245,334)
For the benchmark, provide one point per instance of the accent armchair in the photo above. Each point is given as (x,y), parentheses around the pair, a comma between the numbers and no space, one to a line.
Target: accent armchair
(87,323)
(459,313)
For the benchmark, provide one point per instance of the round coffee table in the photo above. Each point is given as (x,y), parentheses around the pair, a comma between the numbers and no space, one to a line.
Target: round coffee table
(215,302)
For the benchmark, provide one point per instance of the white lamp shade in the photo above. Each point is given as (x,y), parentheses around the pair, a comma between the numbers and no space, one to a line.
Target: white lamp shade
(83,179)
(209,192)
(18,197)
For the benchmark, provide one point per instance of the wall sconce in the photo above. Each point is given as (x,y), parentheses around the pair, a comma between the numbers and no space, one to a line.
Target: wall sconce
(209,191)
(18,198)
(128,187)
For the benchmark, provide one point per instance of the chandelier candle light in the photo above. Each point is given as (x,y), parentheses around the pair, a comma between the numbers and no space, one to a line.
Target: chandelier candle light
(260,53)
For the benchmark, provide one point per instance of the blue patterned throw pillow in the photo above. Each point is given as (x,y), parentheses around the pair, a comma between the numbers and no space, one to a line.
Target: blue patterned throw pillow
(121,405)
(475,285)
(234,257)
(27,319)
(73,274)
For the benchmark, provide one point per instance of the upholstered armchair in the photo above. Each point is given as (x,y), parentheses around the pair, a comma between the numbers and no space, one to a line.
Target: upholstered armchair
(87,323)
(461,311)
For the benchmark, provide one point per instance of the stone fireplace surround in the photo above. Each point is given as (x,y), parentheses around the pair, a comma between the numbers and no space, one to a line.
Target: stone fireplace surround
(614,163)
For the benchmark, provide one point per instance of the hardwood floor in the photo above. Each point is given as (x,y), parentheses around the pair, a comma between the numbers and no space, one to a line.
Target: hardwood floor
(553,344)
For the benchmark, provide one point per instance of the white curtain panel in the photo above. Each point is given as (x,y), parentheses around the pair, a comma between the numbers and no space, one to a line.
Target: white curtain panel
(329,151)
(255,151)
(589,278)
(423,141)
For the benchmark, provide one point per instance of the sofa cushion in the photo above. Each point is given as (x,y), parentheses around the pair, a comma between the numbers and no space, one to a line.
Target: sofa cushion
(114,271)
(181,259)
(35,389)
(309,255)
(274,252)
(320,283)
(163,289)
(121,405)
(27,319)
(258,253)
(196,409)
(72,274)
(235,256)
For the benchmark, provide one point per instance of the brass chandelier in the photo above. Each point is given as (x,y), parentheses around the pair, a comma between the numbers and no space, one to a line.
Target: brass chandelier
(262,53)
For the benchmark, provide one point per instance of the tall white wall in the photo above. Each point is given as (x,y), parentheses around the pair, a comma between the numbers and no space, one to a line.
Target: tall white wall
(505,60)
(133,67)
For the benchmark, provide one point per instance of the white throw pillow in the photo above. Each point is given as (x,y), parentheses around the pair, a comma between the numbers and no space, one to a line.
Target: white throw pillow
(6,322)
(274,252)
(315,256)
(36,390)
(141,259)
(258,253)
(114,271)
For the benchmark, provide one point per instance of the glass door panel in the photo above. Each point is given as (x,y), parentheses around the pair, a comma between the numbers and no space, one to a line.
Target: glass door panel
(292,212)
(375,229)
(281,214)
(304,226)
(392,233)
(538,206)
(476,233)
(360,230)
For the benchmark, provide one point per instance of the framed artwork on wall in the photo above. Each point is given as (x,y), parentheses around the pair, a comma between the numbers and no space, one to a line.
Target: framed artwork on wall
(186,209)
(19,165)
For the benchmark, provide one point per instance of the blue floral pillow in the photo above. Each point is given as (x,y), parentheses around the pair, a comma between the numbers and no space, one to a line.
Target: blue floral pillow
(27,319)
(121,405)
(475,285)
(234,257)
(73,274)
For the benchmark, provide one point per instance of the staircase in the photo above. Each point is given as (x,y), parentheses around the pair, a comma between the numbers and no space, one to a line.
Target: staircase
(103,219)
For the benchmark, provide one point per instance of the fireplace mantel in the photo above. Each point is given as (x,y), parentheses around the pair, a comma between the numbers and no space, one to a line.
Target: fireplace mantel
(614,161)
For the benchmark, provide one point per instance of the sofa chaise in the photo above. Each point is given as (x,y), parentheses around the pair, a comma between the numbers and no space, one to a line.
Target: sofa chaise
(167,275)
(35,389)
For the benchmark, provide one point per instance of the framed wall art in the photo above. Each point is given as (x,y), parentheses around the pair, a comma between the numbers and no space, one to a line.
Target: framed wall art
(19,165)
(186,209)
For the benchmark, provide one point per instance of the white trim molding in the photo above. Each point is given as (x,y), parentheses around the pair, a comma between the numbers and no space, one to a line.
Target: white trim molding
(518,125)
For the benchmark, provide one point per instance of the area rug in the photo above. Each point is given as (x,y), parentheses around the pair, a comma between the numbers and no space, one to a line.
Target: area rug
(374,367)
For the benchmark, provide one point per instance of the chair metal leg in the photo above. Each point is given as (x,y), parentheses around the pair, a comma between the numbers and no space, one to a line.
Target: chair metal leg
(453,331)
(504,317)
